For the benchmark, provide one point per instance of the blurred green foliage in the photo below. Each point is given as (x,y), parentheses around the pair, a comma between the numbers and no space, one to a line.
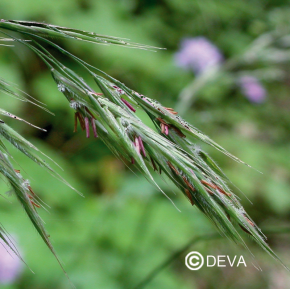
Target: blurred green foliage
(124,227)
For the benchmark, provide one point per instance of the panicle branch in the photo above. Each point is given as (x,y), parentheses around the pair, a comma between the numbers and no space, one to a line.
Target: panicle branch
(112,115)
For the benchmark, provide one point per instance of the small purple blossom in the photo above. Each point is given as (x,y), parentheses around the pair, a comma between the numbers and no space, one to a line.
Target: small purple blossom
(198,54)
(10,265)
(252,89)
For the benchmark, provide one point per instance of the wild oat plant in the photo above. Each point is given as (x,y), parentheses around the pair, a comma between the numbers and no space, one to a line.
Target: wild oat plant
(108,113)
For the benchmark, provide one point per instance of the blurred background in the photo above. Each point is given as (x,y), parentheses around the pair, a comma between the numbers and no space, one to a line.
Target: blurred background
(225,70)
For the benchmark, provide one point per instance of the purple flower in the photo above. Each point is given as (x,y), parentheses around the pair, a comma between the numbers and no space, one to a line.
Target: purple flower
(252,89)
(10,265)
(198,54)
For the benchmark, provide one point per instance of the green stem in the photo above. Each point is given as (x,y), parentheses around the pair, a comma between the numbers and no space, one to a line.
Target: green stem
(193,241)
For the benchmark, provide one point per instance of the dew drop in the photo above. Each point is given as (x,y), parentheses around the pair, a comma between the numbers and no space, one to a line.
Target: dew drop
(61,87)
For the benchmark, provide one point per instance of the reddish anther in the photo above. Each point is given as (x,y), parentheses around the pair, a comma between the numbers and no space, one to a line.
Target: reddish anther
(162,128)
(213,186)
(128,105)
(32,202)
(90,112)
(153,164)
(137,144)
(245,230)
(187,192)
(188,183)
(208,184)
(35,204)
(81,119)
(142,146)
(224,192)
(87,125)
(166,129)
(170,110)
(94,127)
(249,221)
(30,189)
(161,121)
(163,125)
(173,168)
(132,160)
(76,123)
